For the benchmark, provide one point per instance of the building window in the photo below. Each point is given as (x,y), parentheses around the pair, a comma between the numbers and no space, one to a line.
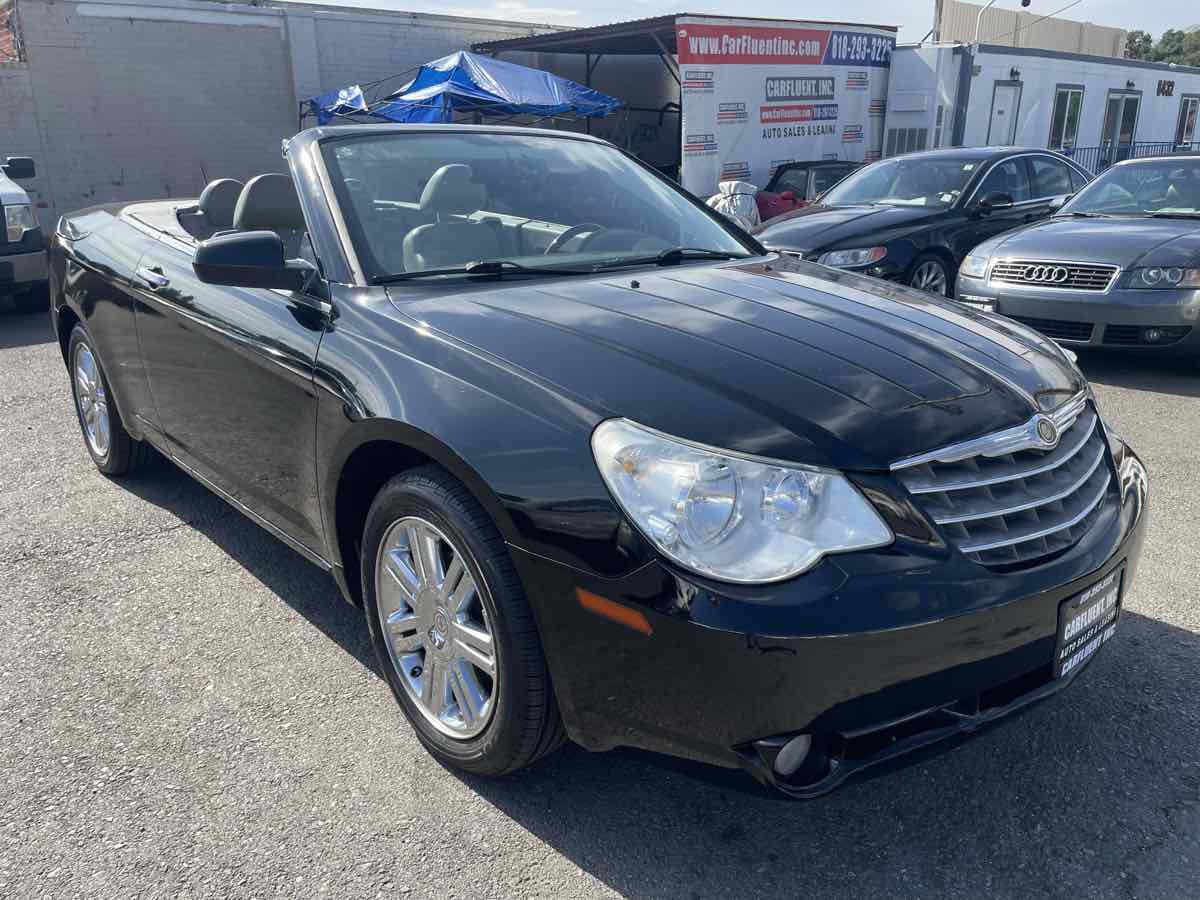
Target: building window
(905,140)
(1189,108)
(937,131)
(1064,123)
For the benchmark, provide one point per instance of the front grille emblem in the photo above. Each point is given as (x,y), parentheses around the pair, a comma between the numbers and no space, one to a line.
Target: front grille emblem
(1046,274)
(1047,432)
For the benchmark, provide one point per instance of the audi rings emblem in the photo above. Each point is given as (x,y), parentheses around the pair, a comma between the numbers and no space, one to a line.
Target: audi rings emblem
(1046,274)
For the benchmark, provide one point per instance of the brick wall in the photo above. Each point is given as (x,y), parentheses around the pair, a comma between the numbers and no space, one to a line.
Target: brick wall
(144,99)
(19,134)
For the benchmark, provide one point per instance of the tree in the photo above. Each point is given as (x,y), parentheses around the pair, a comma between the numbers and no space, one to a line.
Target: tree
(1139,45)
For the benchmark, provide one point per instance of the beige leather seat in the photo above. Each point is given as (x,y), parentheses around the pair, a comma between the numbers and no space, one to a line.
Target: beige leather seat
(218,202)
(448,242)
(270,203)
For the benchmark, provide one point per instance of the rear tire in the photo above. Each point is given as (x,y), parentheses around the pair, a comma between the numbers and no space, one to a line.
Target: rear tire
(108,443)
(930,273)
(519,723)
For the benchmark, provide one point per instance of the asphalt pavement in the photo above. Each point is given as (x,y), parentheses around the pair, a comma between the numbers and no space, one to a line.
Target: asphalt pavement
(187,708)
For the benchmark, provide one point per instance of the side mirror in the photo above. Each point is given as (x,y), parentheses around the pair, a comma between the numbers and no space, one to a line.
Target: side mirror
(19,167)
(1059,202)
(994,201)
(249,259)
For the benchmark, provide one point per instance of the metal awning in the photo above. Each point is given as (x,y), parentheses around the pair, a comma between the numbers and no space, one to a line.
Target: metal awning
(638,37)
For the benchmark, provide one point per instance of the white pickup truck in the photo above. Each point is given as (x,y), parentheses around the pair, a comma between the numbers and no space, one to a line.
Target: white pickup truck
(22,245)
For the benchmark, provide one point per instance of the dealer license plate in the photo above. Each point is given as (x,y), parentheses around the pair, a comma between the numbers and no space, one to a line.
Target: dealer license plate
(1085,622)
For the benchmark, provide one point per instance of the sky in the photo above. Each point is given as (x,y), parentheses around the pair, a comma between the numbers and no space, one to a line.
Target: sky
(915,17)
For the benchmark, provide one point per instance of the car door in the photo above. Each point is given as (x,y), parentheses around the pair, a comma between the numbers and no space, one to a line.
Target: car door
(231,371)
(1010,177)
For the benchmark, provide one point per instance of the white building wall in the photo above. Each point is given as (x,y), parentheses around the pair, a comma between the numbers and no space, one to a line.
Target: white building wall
(1040,75)
(18,124)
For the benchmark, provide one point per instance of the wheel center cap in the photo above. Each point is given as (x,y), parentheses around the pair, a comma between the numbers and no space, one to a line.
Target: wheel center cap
(439,631)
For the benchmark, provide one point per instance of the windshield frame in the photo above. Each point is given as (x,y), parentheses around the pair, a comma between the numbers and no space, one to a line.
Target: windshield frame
(1147,162)
(351,229)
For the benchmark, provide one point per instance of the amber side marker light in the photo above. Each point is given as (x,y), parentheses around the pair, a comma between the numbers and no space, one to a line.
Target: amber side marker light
(616,612)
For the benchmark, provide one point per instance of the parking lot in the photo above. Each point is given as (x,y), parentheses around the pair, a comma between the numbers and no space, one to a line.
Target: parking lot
(187,708)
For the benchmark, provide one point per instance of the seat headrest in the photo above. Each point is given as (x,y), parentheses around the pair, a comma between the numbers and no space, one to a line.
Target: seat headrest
(450,191)
(269,202)
(219,200)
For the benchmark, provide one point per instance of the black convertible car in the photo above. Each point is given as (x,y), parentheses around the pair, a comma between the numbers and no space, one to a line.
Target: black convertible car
(597,466)
(913,218)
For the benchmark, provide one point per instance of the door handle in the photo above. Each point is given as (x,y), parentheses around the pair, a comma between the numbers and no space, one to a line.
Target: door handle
(153,276)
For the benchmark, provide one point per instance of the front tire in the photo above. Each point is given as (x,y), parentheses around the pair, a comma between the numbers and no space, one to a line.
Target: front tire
(452,630)
(930,273)
(108,443)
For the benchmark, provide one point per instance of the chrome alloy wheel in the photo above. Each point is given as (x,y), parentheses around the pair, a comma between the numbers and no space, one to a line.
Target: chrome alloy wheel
(92,401)
(436,627)
(930,276)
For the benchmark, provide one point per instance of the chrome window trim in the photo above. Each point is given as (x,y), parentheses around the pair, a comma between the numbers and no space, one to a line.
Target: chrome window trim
(1116,275)
(1010,440)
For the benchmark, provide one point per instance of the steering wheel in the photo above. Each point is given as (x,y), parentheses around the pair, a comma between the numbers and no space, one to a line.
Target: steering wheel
(570,234)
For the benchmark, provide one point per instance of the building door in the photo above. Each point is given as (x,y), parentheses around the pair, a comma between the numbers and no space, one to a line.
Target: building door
(1120,124)
(1006,102)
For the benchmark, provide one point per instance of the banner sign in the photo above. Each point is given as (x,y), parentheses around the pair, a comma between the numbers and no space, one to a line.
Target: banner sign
(756,96)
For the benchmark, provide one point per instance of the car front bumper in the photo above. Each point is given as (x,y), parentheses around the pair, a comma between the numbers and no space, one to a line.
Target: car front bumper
(21,270)
(1118,320)
(874,654)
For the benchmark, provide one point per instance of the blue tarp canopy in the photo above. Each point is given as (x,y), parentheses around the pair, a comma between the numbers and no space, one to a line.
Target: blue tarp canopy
(466,83)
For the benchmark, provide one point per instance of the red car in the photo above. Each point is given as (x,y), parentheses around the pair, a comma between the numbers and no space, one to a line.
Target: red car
(797,184)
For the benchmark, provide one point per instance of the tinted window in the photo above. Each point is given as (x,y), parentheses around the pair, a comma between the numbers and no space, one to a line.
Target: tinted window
(1051,178)
(1008,177)
(933,181)
(827,176)
(794,180)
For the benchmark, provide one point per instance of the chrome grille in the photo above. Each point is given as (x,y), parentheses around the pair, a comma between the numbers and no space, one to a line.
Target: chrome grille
(1048,274)
(1011,498)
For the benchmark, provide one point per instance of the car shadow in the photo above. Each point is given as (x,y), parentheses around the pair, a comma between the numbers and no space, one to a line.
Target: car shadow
(1160,374)
(21,329)
(1080,789)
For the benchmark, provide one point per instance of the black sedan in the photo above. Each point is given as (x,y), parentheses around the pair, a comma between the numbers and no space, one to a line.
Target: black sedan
(1117,267)
(913,218)
(618,476)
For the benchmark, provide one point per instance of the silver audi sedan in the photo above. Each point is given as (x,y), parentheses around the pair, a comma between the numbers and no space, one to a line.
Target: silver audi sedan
(1117,266)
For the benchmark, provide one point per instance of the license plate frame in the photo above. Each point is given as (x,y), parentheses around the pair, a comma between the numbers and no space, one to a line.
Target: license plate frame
(1086,621)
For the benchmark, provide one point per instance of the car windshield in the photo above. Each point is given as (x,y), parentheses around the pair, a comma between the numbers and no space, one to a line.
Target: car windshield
(1157,187)
(436,202)
(905,181)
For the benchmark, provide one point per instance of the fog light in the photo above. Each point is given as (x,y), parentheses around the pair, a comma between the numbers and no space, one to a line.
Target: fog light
(793,754)
(987,304)
(1153,335)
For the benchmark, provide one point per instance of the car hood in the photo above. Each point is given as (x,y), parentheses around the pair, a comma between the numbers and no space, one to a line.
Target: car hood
(1122,242)
(818,227)
(779,358)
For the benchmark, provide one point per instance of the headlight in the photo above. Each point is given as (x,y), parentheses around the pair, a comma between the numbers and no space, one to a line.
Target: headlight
(18,220)
(862,256)
(733,518)
(974,266)
(1168,277)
